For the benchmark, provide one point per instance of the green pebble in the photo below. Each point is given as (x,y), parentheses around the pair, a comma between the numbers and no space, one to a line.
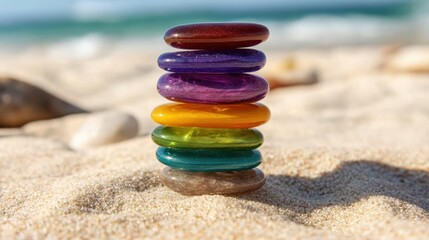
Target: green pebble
(207,138)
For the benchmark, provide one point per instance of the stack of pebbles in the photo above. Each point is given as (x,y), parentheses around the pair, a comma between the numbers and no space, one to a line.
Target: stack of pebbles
(207,140)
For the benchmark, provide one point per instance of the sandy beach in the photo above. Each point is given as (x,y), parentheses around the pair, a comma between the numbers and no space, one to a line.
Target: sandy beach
(346,157)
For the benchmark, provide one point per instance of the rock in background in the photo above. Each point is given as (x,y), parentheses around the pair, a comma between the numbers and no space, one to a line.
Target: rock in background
(21,103)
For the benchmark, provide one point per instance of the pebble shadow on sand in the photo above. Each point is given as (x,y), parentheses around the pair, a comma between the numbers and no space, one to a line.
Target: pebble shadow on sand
(347,184)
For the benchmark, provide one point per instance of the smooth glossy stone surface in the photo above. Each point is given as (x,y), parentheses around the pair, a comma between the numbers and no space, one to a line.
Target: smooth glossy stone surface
(200,160)
(207,138)
(216,35)
(211,116)
(206,61)
(221,183)
(212,88)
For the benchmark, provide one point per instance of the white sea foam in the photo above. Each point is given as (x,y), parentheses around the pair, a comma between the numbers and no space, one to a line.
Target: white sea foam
(325,30)
(86,46)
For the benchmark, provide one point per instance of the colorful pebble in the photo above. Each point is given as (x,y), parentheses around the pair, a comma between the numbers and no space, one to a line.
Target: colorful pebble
(211,116)
(210,61)
(225,183)
(207,138)
(201,160)
(216,35)
(207,141)
(212,88)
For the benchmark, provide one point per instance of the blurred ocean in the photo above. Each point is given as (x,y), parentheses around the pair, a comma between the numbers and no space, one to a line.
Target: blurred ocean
(292,23)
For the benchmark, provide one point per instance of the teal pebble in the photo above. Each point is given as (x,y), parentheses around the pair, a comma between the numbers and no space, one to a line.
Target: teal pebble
(199,160)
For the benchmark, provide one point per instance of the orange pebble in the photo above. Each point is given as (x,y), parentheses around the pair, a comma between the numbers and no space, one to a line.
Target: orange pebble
(211,116)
